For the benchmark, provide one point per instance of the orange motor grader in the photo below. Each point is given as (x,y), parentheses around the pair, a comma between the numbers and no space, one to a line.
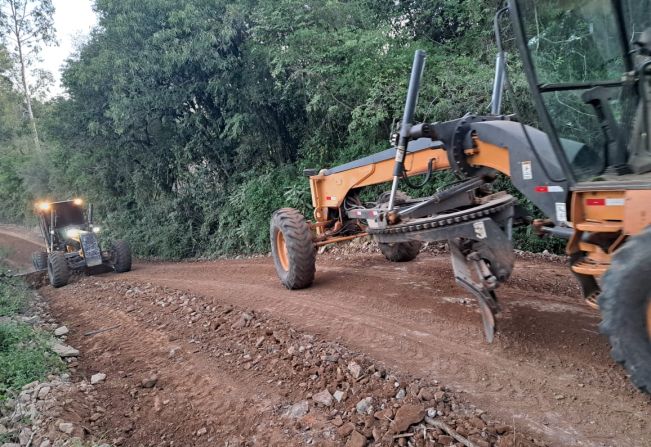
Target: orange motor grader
(588,66)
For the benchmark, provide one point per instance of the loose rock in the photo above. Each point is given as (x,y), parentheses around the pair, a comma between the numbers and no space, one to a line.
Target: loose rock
(65,351)
(43,392)
(150,382)
(66,427)
(97,378)
(61,331)
(405,416)
(355,369)
(299,409)
(364,405)
(323,398)
(25,436)
(356,440)
(346,429)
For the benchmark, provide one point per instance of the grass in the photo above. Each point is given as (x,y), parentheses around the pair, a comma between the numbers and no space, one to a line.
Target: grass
(25,354)
(14,296)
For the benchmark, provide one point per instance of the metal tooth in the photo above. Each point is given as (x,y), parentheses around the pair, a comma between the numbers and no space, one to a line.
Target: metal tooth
(457,219)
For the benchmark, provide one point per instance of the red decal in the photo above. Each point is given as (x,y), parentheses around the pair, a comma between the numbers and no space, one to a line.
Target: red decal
(542,189)
(595,202)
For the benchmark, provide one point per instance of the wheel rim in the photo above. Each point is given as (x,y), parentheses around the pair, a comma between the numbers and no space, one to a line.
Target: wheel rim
(281,250)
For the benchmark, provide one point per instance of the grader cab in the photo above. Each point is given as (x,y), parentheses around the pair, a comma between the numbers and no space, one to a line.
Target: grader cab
(588,67)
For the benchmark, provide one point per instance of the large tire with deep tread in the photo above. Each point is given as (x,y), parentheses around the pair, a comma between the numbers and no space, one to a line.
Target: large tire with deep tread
(57,269)
(121,256)
(292,248)
(39,260)
(625,304)
(400,251)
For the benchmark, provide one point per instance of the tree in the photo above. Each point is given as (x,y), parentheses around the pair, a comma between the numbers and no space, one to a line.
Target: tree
(25,25)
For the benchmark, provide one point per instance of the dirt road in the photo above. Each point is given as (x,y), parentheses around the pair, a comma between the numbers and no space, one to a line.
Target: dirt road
(548,373)
(17,246)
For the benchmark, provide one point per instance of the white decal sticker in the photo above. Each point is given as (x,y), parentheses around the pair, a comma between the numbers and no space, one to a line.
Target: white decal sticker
(554,188)
(527,174)
(480,230)
(561,212)
(615,202)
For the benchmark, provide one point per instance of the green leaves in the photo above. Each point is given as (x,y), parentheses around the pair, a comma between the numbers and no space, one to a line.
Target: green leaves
(188,123)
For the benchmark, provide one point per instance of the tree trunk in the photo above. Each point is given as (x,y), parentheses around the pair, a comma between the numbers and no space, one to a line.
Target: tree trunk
(26,92)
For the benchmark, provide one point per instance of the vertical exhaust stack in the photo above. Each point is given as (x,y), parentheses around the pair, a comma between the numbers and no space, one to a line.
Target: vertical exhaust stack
(498,83)
(500,66)
(90,217)
(407,120)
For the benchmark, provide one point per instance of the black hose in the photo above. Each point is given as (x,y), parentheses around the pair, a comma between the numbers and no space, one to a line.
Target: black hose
(427,178)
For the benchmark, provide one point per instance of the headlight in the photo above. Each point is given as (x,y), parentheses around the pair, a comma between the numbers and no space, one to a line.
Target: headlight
(78,202)
(96,229)
(43,206)
(73,233)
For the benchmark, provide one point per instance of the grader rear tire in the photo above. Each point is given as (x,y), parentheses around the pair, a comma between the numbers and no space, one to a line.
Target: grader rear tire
(292,248)
(39,260)
(625,304)
(121,256)
(57,269)
(400,251)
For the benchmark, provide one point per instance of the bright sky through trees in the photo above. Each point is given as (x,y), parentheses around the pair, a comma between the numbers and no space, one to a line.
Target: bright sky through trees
(73,20)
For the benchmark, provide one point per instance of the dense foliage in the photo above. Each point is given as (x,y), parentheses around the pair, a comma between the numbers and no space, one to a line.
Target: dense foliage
(188,123)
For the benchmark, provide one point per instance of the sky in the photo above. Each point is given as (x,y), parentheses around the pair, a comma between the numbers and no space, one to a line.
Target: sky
(73,20)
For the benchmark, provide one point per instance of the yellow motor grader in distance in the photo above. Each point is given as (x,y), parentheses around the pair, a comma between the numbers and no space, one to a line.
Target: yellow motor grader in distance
(71,243)
(588,66)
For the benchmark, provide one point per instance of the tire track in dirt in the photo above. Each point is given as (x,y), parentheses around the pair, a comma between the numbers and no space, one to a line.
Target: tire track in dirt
(206,393)
(548,370)
(212,344)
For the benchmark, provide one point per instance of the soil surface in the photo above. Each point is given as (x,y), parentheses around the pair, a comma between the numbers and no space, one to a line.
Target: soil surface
(17,246)
(548,374)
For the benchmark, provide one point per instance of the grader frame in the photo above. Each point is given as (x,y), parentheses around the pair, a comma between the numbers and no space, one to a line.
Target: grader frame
(595,195)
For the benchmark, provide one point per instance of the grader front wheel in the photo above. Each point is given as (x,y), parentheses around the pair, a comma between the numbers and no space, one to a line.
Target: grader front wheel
(292,248)
(625,304)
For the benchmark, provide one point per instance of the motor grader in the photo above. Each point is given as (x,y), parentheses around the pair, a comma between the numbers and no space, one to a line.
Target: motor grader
(588,67)
(71,243)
